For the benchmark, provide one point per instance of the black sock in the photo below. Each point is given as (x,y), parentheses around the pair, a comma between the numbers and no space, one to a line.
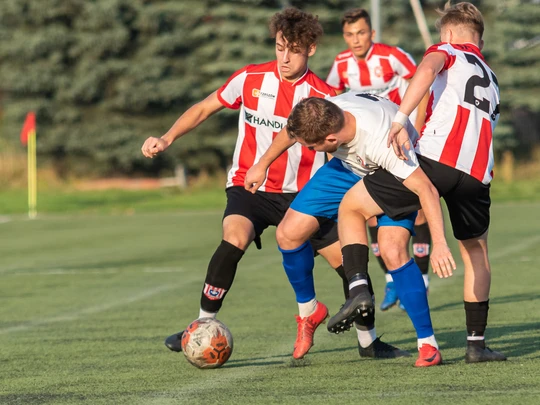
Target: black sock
(421,246)
(355,263)
(373,234)
(220,276)
(476,314)
(341,271)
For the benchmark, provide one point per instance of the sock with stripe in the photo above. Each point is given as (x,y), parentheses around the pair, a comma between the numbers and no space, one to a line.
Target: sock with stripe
(355,263)
(220,276)
(421,245)
(476,314)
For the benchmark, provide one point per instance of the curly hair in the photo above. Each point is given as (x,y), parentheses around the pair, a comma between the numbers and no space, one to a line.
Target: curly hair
(300,29)
(313,119)
(462,13)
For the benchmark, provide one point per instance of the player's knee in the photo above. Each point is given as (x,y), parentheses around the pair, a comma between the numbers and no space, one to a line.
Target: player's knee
(394,255)
(285,237)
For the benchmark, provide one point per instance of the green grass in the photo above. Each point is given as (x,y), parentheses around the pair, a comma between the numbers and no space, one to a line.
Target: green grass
(63,199)
(86,301)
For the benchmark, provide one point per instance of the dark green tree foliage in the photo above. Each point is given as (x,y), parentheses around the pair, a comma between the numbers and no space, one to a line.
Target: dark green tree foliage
(103,75)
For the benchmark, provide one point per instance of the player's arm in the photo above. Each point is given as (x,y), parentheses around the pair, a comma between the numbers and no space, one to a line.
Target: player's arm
(424,77)
(421,112)
(441,257)
(193,117)
(256,175)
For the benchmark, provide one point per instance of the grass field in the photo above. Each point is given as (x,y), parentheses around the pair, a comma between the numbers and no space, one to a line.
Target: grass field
(86,301)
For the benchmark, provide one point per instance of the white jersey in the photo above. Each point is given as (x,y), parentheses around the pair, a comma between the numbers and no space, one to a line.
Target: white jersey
(462,112)
(368,152)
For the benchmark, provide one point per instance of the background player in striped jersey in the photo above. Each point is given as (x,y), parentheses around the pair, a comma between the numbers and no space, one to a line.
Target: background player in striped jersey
(265,94)
(383,70)
(455,149)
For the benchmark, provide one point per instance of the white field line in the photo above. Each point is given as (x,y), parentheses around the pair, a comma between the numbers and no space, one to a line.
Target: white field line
(514,248)
(4,219)
(76,315)
(102,270)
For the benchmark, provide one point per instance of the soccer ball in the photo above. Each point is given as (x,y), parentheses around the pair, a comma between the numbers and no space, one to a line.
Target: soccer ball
(207,343)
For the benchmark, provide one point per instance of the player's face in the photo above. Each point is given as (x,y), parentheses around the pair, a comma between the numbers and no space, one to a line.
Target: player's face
(358,37)
(292,64)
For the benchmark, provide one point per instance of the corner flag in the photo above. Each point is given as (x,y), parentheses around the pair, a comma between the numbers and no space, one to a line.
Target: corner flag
(28,137)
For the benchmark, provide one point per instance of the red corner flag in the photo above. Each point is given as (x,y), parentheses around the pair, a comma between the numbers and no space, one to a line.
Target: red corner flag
(28,127)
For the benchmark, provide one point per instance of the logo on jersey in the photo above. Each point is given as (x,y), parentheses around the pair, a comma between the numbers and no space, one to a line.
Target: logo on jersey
(375,249)
(254,120)
(257,93)
(213,293)
(421,249)
(360,161)
(378,71)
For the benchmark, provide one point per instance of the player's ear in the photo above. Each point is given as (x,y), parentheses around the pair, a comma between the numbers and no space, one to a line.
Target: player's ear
(311,50)
(331,138)
(481,44)
(372,35)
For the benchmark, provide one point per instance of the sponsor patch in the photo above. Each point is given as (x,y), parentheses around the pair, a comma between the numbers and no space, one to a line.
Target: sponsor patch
(421,249)
(213,293)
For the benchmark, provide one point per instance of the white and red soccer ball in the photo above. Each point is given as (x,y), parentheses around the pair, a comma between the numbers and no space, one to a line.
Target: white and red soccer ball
(207,343)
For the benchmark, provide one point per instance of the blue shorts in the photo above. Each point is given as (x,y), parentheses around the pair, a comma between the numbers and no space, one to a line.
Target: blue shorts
(323,193)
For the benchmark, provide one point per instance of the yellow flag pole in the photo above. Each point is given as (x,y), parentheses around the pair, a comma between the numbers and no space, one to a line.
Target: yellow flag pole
(32,175)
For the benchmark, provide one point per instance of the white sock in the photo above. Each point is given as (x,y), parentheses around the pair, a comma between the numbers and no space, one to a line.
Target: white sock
(388,277)
(307,308)
(366,337)
(204,314)
(430,340)
(426,280)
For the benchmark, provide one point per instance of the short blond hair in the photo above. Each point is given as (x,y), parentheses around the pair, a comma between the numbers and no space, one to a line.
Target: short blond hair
(464,14)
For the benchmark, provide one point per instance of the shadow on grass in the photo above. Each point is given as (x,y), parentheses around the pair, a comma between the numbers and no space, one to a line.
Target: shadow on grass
(509,299)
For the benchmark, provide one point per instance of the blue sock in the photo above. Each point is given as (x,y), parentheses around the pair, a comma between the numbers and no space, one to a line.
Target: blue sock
(411,291)
(299,264)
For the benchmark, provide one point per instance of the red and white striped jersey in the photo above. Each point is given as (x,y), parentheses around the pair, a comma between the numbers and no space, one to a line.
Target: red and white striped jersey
(462,112)
(383,72)
(265,102)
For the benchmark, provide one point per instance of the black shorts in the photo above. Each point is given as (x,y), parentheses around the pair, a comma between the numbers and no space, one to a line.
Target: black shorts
(467,198)
(264,209)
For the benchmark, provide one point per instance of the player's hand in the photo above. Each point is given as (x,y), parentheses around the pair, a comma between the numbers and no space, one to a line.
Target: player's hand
(152,146)
(399,139)
(255,177)
(442,262)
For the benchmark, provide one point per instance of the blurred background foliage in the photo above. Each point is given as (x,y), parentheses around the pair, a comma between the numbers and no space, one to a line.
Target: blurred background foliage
(103,75)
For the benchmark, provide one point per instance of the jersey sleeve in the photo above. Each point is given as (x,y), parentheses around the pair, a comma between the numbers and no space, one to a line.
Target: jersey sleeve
(402,63)
(230,94)
(334,79)
(447,50)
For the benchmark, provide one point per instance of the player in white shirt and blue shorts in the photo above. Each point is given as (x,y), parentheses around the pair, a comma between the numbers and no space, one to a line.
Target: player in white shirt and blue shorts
(358,148)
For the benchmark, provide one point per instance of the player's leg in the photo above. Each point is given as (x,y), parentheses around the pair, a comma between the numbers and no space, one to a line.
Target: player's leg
(390,296)
(476,299)
(394,239)
(317,201)
(238,232)
(421,245)
(469,203)
(326,243)
(352,218)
